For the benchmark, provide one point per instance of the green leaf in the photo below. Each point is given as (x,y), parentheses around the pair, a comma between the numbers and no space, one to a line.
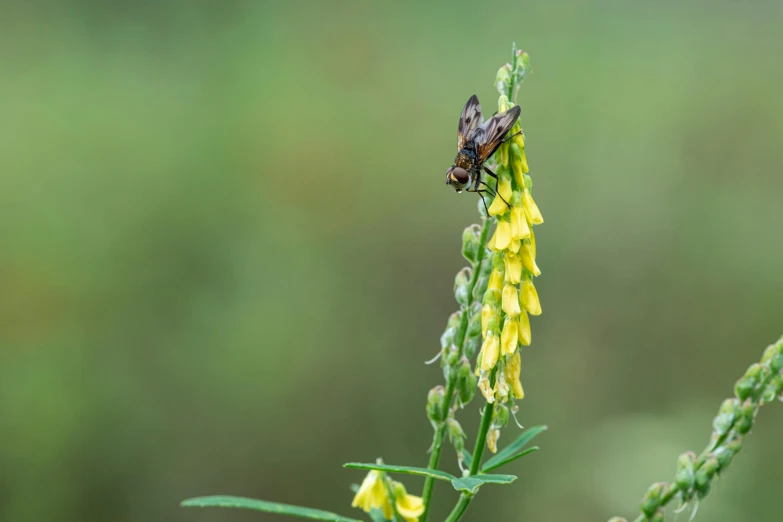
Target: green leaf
(511,452)
(408,470)
(267,507)
(471,484)
(510,459)
(376,515)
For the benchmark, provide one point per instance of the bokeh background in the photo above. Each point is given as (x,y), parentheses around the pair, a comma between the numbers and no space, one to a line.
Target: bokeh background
(226,248)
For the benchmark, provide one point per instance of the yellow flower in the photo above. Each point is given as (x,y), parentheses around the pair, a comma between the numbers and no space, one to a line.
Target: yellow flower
(529,260)
(509,337)
(515,245)
(492,439)
(373,494)
(512,371)
(495,280)
(525,336)
(529,298)
(502,154)
(490,350)
(486,389)
(498,205)
(518,163)
(532,243)
(410,507)
(487,313)
(502,236)
(513,268)
(531,209)
(519,227)
(510,301)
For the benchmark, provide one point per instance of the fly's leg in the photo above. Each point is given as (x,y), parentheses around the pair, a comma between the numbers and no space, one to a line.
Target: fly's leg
(497,184)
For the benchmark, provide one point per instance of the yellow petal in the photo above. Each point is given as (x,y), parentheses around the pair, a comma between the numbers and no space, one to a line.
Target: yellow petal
(502,236)
(529,297)
(504,193)
(490,351)
(519,228)
(510,301)
(515,245)
(532,243)
(373,494)
(525,335)
(509,337)
(487,313)
(495,281)
(519,140)
(513,268)
(528,260)
(512,371)
(502,155)
(531,209)
(517,165)
(410,507)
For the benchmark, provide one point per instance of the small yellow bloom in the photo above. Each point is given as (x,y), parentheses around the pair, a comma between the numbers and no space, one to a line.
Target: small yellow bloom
(529,297)
(492,439)
(519,227)
(509,337)
(532,243)
(502,236)
(490,351)
(525,335)
(518,163)
(528,260)
(373,494)
(488,313)
(502,154)
(515,245)
(510,300)
(486,389)
(504,194)
(513,268)
(512,371)
(495,280)
(410,507)
(531,209)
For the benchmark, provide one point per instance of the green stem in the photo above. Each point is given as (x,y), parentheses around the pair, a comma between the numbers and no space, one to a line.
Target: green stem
(448,399)
(478,452)
(460,508)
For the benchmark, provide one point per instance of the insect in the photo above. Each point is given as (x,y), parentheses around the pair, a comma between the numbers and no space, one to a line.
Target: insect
(477,140)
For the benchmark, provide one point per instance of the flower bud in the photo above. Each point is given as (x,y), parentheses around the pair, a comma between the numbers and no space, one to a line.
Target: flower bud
(503,103)
(491,297)
(704,475)
(726,452)
(471,242)
(652,499)
(466,382)
(773,357)
(725,418)
(496,279)
(658,516)
(685,474)
(435,404)
(461,282)
(617,519)
(518,161)
(500,417)
(456,434)
(747,413)
(750,382)
(475,319)
(471,346)
(503,79)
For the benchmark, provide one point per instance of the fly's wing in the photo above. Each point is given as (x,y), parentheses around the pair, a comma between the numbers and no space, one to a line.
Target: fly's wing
(469,122)
(490,135)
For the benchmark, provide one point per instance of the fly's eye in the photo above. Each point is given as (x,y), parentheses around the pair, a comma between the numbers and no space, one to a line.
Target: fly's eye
(461,175)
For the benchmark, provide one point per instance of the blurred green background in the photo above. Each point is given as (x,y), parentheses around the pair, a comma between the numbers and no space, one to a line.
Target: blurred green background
(227,248)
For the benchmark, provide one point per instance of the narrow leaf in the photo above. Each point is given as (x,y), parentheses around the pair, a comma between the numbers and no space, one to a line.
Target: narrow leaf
(408,470)
(267,507)
(505,455)
(521,454)
(471,484)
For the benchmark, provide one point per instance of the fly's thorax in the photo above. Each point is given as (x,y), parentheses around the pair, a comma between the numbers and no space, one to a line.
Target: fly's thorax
(465,159)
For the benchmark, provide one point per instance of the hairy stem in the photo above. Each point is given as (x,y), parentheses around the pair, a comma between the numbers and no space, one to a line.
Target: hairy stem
(448,399)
